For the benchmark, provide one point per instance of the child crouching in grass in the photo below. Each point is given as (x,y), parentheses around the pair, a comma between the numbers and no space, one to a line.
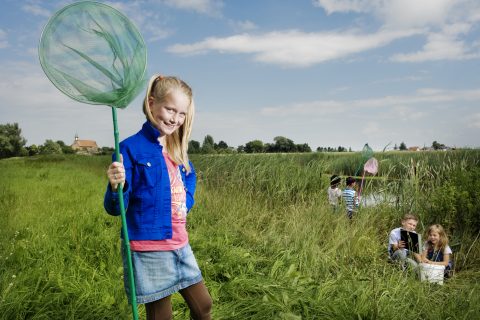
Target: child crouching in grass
(397,248)
(436,250)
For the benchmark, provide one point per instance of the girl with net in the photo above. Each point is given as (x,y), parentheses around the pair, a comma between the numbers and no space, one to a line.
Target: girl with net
(159,185)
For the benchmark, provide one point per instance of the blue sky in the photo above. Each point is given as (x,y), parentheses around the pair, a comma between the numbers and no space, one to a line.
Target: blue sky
(322,72)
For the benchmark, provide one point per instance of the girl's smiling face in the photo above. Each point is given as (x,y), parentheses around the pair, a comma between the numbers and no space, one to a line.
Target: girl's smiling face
(169,114)
(433,237)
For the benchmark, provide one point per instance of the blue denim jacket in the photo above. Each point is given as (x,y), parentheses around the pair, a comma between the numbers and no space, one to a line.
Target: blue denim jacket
(147,196)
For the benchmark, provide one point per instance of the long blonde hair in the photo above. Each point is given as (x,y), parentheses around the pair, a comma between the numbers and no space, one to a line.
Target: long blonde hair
(443,241)
(159,87)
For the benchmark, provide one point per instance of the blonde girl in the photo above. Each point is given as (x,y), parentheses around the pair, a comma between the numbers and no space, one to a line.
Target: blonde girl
(436,250)
(159,186)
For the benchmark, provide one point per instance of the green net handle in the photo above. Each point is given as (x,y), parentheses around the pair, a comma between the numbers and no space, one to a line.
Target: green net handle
(126,240)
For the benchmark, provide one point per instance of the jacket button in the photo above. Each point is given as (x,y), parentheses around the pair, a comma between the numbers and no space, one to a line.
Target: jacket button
(149,164)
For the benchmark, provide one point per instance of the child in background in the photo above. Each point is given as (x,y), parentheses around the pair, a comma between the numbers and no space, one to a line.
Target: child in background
(334,192)
(350,197)
(159,185)
(396,247)
(436,249)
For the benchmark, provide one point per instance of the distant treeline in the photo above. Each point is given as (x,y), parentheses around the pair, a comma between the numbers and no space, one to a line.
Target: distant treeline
(280,145)
(13,144)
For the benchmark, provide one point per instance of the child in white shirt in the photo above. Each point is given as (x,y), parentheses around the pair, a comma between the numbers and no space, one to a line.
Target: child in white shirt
(334,192)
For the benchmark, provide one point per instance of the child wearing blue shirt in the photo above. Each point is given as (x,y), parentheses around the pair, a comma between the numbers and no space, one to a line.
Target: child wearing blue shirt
(350,197)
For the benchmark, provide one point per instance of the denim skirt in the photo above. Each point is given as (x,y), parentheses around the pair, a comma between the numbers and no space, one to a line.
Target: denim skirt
(159,274)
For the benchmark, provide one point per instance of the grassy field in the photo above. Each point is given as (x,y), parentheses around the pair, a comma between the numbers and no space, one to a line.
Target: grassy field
(265,238)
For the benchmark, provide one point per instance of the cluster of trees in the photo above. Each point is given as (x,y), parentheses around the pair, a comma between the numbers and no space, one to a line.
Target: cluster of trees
(50,147)
(13,144)
(208,146)
(281,144)
(59,147)
(435,146)
(438,146)
(402,147)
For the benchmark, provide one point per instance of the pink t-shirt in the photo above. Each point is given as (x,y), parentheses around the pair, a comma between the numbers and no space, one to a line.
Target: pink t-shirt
(179,215)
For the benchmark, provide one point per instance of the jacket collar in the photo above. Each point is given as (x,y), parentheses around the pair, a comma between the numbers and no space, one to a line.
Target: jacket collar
(150,131)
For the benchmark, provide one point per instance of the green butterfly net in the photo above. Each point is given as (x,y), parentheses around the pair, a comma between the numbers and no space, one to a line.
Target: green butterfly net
(367,153)
(94,54)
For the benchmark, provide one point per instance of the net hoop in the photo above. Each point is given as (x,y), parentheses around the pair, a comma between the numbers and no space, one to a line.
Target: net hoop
(120,95)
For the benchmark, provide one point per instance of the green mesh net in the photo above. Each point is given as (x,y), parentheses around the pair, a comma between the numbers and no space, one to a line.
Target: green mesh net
(94,54)
(367,153)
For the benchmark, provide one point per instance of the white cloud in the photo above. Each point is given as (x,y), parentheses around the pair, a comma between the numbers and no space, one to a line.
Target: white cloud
(211,7)
(3,39)
(405,107)
(150,22)
(133,10)
(445,45)
(242,26)
(414,13)
(293,48)
(36,10)
(400,13)
(371,128)
(332,6)
(409,78)
(158,34)
(446,24)
(407,114)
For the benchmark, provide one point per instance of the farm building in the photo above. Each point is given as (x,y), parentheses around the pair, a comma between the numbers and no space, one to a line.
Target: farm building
(84,146)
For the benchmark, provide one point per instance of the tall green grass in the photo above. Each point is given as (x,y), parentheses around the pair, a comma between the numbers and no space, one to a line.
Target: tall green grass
(59,251)
(265,238)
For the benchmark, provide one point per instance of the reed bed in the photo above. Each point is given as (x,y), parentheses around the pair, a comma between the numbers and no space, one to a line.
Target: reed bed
(267,242)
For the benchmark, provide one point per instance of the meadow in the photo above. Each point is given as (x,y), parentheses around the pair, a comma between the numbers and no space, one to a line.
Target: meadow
(267,242)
